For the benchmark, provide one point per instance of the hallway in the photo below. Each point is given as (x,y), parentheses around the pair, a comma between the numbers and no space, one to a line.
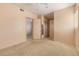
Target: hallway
(39,29)
(42,47)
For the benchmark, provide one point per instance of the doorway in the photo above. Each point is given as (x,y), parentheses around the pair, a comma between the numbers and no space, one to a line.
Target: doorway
(49,26)
(29,24)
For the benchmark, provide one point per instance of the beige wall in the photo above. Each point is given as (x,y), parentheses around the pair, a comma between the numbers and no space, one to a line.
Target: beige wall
(52,29)
(77,25)
(12,25)
(64,26)
(37,29)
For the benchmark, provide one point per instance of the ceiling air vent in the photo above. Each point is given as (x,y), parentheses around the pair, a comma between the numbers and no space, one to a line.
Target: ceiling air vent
(22,10)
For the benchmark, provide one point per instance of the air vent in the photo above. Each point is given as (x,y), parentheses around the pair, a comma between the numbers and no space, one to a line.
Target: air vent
(22,10)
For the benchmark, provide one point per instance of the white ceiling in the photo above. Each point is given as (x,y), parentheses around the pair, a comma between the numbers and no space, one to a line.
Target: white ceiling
(43,8)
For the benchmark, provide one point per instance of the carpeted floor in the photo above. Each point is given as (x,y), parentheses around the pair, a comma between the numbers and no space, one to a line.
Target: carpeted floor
(39,48)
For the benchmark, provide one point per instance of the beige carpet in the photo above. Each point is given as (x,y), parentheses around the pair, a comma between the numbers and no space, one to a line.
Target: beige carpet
(39,48)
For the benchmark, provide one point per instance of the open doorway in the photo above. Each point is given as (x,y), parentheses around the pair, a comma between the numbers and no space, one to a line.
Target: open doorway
(48,26)
(29,27)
